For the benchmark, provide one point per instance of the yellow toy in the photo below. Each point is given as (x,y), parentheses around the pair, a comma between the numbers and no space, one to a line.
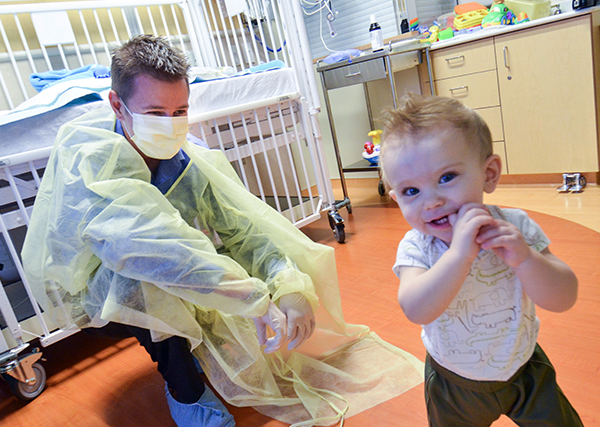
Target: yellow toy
(375,135)
(470,19)
(433,35)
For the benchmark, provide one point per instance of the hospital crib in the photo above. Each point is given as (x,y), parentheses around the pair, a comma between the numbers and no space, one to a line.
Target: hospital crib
(271,135)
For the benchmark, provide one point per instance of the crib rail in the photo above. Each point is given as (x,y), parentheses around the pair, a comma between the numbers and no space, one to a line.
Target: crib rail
(241,37)
(20,314)
(271,147)
(65,35)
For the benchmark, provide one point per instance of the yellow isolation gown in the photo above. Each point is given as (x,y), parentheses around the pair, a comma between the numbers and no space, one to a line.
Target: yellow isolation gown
(199,262)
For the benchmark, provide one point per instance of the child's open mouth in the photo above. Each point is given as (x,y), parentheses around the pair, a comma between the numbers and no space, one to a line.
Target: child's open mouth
(440,222)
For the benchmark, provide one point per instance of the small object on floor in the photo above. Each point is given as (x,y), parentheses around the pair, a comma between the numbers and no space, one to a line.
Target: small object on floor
(572,182)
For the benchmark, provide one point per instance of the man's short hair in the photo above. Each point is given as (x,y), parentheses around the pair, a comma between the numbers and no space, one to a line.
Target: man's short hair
(149,55)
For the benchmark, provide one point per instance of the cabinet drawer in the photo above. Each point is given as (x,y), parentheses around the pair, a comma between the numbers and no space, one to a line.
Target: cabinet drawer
(351,74)
(493,117)
(475,91)
(465,59)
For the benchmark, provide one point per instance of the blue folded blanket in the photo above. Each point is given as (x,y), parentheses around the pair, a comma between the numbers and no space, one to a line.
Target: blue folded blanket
(206,74)
(41,81)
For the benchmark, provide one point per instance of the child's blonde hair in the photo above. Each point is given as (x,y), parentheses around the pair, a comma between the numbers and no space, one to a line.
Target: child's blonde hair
(419,115)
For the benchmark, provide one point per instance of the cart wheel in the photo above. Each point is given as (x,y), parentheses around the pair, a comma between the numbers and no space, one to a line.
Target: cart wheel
(339,233)
(582,181)
(349,208)
(381,188)
(331,222)
(28,392)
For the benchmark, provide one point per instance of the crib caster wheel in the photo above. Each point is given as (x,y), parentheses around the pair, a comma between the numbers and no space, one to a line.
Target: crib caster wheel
(336,222)
(339,233)
(349,208)
(381,188)
(31,390)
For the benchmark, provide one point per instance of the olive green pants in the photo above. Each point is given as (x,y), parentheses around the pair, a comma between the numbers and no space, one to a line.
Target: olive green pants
(530,398)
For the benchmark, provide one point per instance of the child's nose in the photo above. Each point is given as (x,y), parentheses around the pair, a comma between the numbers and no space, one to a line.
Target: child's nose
(433,200)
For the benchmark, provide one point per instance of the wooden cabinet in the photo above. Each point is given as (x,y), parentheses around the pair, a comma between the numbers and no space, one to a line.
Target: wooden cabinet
(468,73)
(546,82)
(535,89)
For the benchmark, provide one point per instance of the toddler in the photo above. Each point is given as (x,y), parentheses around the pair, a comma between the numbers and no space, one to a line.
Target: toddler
(471,274)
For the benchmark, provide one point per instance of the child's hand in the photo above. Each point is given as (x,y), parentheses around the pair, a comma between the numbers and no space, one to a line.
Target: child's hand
(506,240)
(466,226)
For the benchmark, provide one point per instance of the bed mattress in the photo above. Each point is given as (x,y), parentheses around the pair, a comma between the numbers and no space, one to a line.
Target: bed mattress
(34,124)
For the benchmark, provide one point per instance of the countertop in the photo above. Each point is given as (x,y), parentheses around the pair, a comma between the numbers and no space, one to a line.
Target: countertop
(503,29)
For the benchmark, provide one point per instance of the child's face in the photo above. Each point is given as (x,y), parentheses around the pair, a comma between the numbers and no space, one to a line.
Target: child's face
(433,175)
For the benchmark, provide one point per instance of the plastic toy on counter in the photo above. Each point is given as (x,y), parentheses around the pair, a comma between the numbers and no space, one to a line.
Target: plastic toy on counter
(468,7)
(534,9)
(499,14)
(470,19)
(431,35)
(521,18)
(371,152)
(414,24)
(446,33)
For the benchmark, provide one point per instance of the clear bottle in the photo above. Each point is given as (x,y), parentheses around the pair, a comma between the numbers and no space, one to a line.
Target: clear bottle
(376,35)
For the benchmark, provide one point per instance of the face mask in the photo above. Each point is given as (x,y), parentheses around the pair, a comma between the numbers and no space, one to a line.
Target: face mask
(158,137)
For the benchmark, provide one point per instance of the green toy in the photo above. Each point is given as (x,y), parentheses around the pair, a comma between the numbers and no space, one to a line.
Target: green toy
(499,14)
(446,34)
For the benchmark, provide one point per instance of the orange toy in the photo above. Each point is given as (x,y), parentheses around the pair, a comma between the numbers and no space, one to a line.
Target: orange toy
(468,7)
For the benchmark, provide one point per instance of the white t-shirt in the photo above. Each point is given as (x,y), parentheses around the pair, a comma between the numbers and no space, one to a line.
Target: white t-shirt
(490,329)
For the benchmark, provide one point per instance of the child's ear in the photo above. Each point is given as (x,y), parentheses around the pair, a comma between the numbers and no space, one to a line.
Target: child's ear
(392,194)
(493,170)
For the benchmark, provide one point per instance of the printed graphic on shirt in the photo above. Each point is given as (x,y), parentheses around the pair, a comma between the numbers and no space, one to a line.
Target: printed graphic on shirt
(490,328)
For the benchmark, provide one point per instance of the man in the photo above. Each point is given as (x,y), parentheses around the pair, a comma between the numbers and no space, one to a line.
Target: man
(136,231)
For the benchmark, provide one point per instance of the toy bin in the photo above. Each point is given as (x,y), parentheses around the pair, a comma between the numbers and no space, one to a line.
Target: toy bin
(533,8)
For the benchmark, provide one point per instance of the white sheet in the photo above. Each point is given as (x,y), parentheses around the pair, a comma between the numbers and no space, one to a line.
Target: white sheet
(224,93)
(39,131)
(57,96)
(34,123)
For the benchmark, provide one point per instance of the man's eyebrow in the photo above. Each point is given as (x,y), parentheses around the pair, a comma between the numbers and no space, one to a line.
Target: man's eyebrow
(162,107)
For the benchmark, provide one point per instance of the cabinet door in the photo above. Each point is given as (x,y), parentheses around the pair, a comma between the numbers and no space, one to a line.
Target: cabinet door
(546,85)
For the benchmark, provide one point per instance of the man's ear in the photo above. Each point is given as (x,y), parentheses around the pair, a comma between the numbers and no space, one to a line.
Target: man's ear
(493,170)
(116,104)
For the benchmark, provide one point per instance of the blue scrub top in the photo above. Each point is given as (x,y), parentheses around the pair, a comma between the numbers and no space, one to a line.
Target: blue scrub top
(168,170)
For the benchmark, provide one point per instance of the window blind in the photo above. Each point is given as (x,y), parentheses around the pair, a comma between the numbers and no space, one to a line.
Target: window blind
(351,24)
(428,10)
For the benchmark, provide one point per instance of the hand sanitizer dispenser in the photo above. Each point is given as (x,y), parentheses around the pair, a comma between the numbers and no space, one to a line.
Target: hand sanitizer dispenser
(376,35)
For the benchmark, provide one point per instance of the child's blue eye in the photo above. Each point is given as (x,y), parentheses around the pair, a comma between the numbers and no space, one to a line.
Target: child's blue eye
(410,191)
(447,177)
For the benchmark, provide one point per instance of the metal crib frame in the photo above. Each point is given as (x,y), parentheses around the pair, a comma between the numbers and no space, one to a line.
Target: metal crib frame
(284,131)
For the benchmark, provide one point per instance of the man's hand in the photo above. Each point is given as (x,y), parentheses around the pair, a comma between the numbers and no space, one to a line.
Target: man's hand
(300,318)
(276,321)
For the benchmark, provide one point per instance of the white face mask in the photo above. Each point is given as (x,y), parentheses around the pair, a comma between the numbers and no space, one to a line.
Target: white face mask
(158,137)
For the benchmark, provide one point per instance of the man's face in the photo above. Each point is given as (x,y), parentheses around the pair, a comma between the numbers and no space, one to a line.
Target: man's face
(154,97)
